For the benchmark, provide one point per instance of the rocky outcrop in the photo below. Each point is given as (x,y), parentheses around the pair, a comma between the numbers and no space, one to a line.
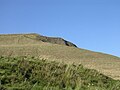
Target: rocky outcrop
(55,40)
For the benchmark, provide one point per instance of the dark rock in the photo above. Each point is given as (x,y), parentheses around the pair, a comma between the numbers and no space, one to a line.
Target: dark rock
(55,40)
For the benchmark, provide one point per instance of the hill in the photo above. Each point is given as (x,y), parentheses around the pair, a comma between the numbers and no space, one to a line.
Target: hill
(58,49)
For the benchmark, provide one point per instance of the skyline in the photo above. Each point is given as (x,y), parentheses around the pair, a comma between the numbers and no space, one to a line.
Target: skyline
(92,25)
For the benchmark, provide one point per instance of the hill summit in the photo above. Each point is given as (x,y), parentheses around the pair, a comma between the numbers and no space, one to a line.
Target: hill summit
(54,40)
(19,38)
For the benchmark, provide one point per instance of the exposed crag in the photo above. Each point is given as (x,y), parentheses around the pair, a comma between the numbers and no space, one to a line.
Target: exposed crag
(55,40)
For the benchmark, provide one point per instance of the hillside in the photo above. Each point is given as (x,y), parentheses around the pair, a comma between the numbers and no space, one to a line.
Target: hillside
(57,49)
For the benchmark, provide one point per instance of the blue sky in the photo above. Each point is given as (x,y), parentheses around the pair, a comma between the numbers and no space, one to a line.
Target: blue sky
(90,24)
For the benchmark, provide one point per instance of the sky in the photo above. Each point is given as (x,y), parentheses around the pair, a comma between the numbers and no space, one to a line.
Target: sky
(90,24)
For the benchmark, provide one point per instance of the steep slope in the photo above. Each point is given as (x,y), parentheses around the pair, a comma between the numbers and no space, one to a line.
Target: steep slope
(28,45)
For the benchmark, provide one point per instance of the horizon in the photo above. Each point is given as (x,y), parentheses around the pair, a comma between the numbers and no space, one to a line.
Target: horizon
(92,25)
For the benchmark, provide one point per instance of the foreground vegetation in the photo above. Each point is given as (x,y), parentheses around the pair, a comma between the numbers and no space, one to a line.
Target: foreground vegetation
(30,73)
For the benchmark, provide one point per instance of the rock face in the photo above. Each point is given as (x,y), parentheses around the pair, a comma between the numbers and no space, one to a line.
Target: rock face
(54,40)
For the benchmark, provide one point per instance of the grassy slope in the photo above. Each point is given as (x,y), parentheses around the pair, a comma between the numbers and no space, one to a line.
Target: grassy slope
(20,45)
(29,73)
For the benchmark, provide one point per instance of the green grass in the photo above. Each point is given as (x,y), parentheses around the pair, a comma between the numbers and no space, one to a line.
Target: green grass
(30,73)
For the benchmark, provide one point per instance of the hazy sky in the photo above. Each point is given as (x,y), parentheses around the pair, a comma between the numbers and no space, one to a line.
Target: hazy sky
(90,24)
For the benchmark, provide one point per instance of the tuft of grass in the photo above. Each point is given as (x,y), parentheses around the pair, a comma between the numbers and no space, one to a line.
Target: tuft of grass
(30,73)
